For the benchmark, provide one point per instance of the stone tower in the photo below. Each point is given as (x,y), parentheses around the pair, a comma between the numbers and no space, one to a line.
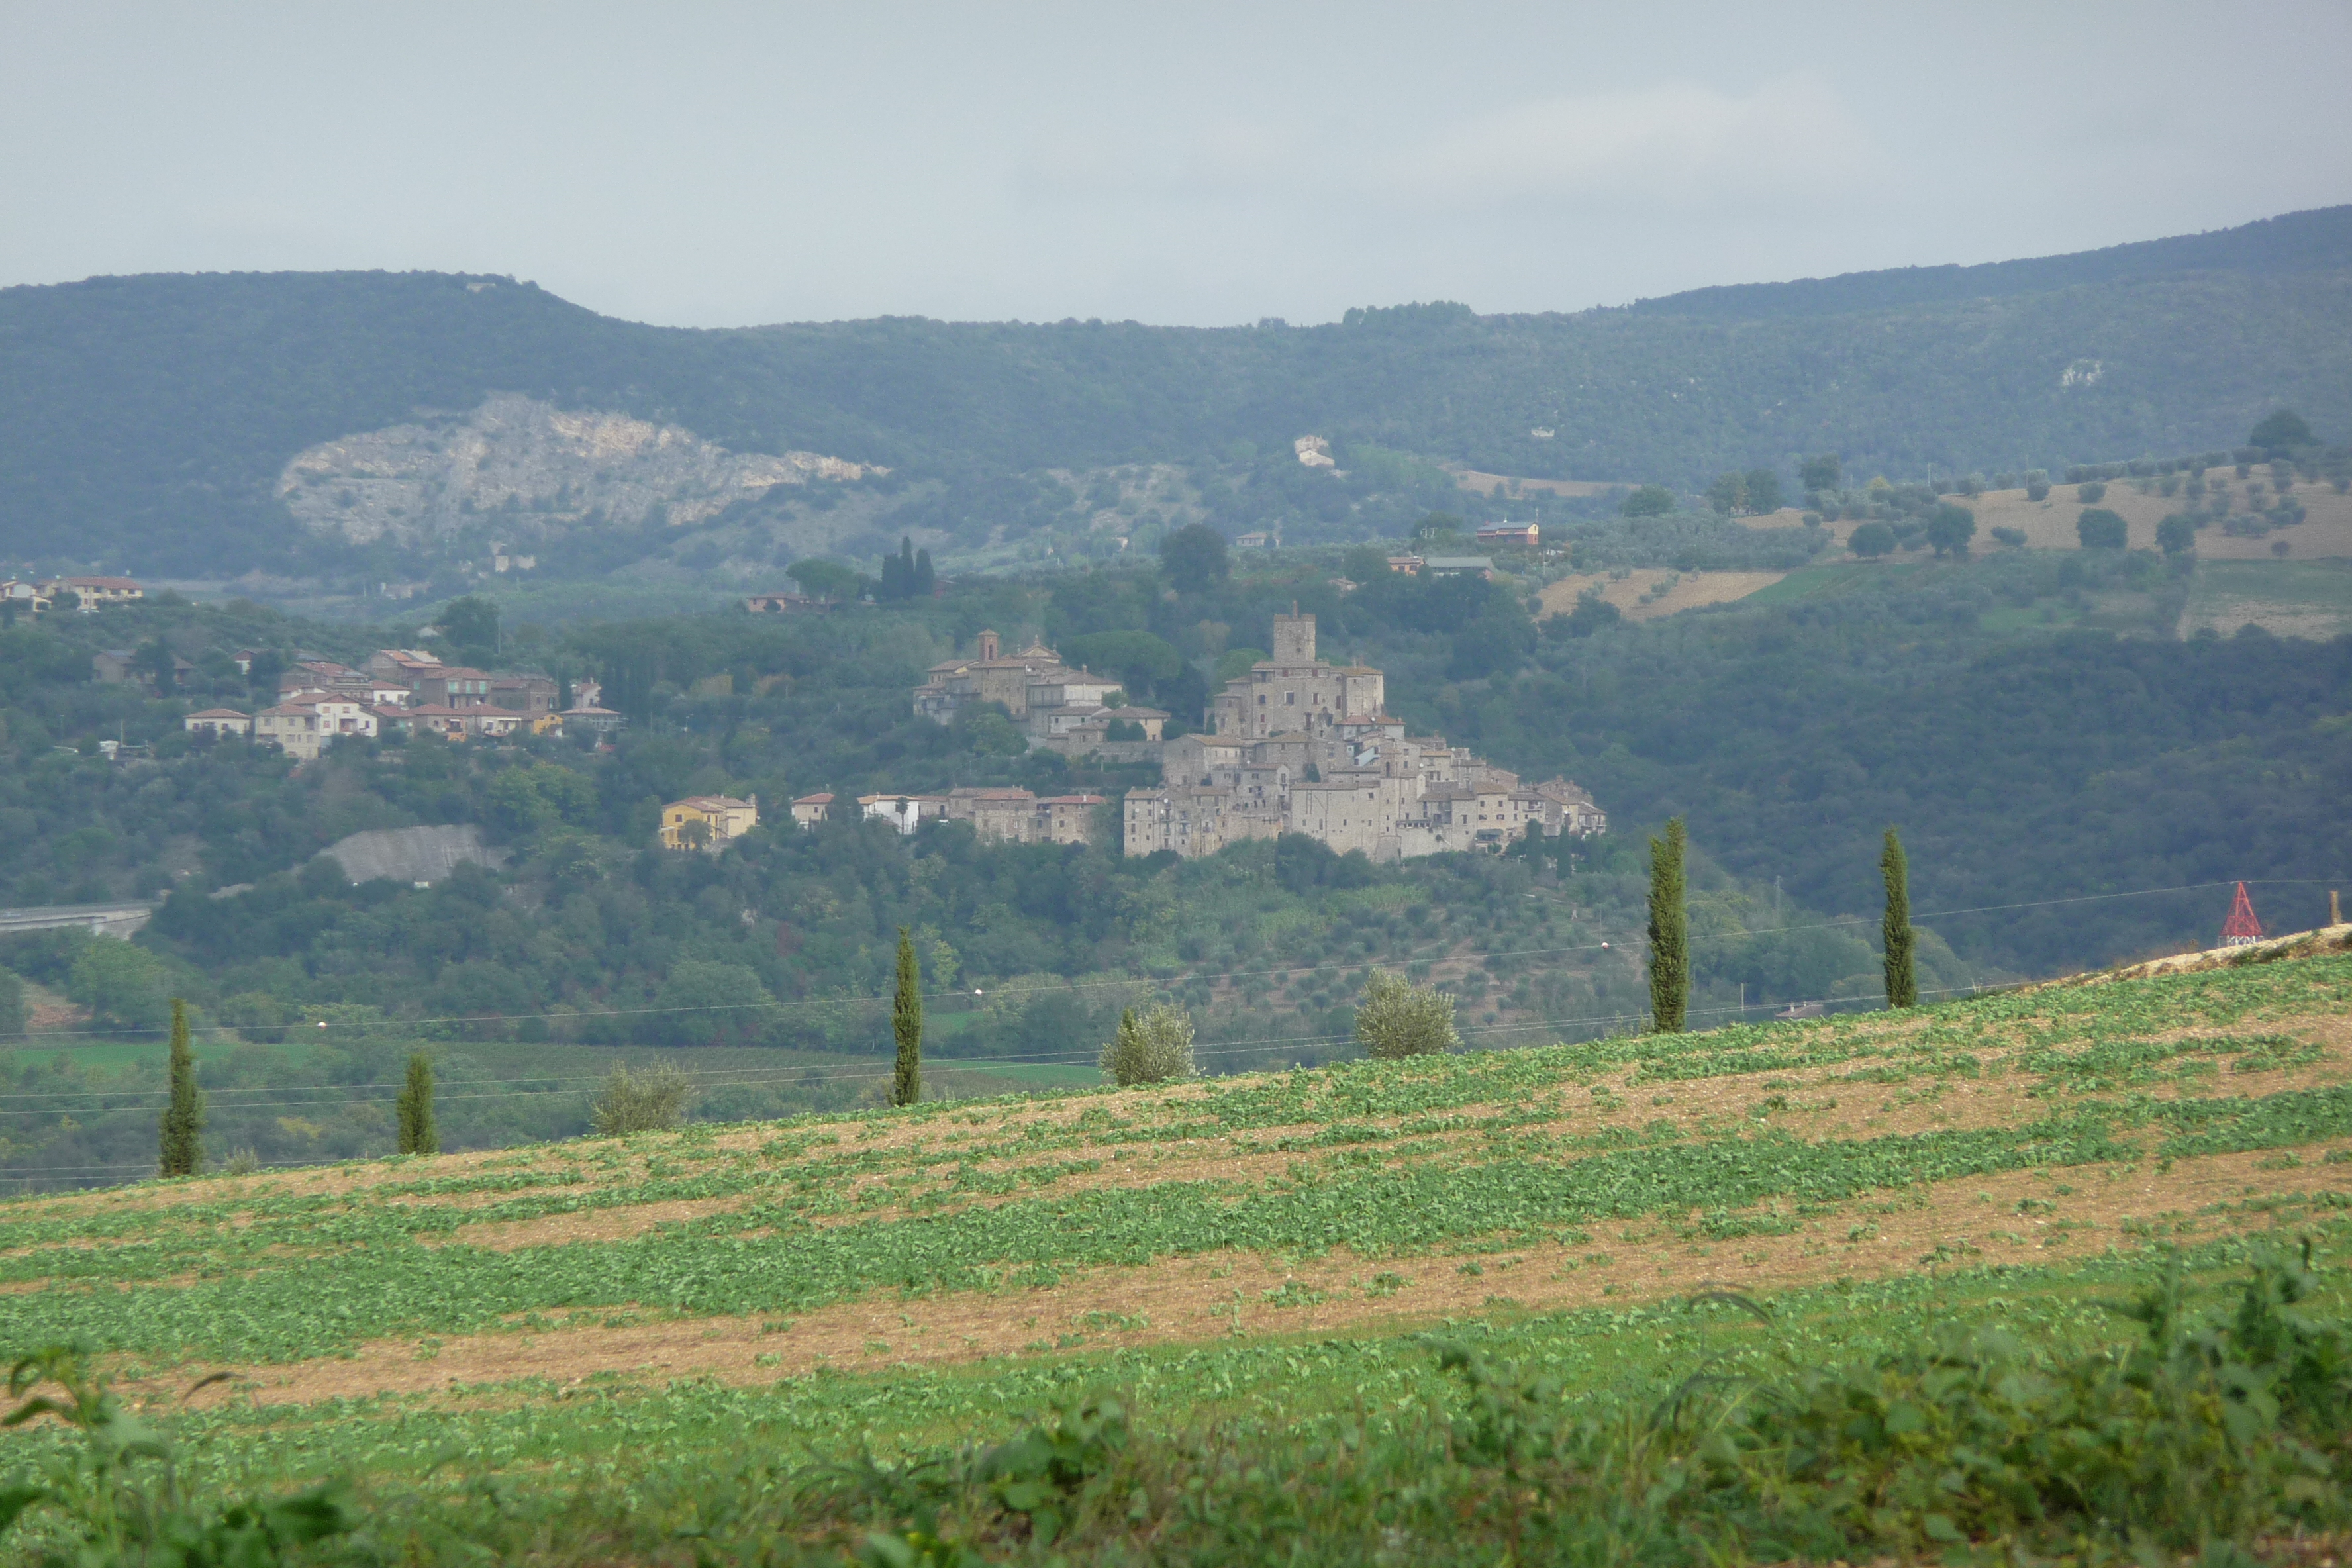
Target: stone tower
(988,645)
(1294,637)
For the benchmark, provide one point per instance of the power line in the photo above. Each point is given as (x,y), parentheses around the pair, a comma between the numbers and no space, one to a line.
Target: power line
(944,1064)
(399,1024)
(715,1078)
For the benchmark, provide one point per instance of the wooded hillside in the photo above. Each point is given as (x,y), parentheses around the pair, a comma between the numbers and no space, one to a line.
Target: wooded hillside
(146,419)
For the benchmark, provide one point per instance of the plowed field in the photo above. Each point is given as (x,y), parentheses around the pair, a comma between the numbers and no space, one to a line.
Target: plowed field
(2017,1130)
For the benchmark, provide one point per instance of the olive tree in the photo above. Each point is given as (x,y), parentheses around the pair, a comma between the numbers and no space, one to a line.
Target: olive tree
(1400,1019)
(1152,1047)
(639,1102)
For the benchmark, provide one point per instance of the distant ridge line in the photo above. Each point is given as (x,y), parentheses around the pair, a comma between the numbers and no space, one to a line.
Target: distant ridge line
(2318,240)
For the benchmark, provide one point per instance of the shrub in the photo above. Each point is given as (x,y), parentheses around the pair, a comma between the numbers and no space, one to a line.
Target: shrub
(2100,529)
(2013,537)
(1400,1019)
(2177,534)
(1153,1047)
(651,1102)
(2097,490)
(119,1499)
(2037,485)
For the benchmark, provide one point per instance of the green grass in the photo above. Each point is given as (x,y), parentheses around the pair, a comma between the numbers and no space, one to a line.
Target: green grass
(1829,581)
(114,1055)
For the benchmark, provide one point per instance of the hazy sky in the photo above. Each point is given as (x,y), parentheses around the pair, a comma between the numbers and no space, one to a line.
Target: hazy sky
(718,164)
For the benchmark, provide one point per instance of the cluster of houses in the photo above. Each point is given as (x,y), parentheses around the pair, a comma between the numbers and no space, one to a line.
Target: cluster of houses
(1297,745)
(88,595)
(403,691)
(997,816)
(1300,745)
(1073,711)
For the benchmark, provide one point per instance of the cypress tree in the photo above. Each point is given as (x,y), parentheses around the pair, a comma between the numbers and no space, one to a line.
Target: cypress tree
(1669,933)
(925,578)
(1902,979)
(906,1023)
(181,1151)
(418,1135)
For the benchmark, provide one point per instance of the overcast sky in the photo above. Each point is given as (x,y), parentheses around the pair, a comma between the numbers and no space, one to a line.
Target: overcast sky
(717,165)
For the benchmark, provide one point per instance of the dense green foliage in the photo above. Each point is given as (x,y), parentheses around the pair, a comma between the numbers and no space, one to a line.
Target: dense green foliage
(146,419)
(115,1499)
(2015,715)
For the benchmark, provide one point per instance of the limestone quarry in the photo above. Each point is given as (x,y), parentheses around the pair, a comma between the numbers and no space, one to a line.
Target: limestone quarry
(527,471)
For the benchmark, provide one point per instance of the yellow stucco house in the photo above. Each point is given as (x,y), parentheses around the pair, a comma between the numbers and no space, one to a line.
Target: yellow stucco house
(708,821)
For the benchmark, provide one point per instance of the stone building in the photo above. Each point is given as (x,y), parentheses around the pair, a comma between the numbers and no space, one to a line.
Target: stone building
(1295,692)
(956,684)
(1298,746)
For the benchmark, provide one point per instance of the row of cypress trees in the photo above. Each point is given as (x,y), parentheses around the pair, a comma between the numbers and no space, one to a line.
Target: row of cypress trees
(180,1141)
(181,1152)
(1670,967)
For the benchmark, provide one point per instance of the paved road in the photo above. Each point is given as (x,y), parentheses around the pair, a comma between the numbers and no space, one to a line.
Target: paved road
(101,920)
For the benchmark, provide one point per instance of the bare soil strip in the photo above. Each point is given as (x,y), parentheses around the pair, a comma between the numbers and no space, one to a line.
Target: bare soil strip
(2020,1217)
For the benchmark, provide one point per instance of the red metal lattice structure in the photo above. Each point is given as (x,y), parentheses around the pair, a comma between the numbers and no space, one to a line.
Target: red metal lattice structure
(2242,927)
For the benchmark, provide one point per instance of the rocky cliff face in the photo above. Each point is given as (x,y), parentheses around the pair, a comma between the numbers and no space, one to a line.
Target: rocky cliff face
(528,471)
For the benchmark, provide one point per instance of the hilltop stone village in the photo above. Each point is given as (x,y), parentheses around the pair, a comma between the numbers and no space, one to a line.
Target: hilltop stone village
(1297,745)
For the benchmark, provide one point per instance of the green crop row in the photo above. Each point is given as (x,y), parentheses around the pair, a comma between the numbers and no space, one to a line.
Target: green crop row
(363,1273)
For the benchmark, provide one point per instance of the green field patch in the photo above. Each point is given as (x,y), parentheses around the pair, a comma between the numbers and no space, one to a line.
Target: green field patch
(1829,581)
